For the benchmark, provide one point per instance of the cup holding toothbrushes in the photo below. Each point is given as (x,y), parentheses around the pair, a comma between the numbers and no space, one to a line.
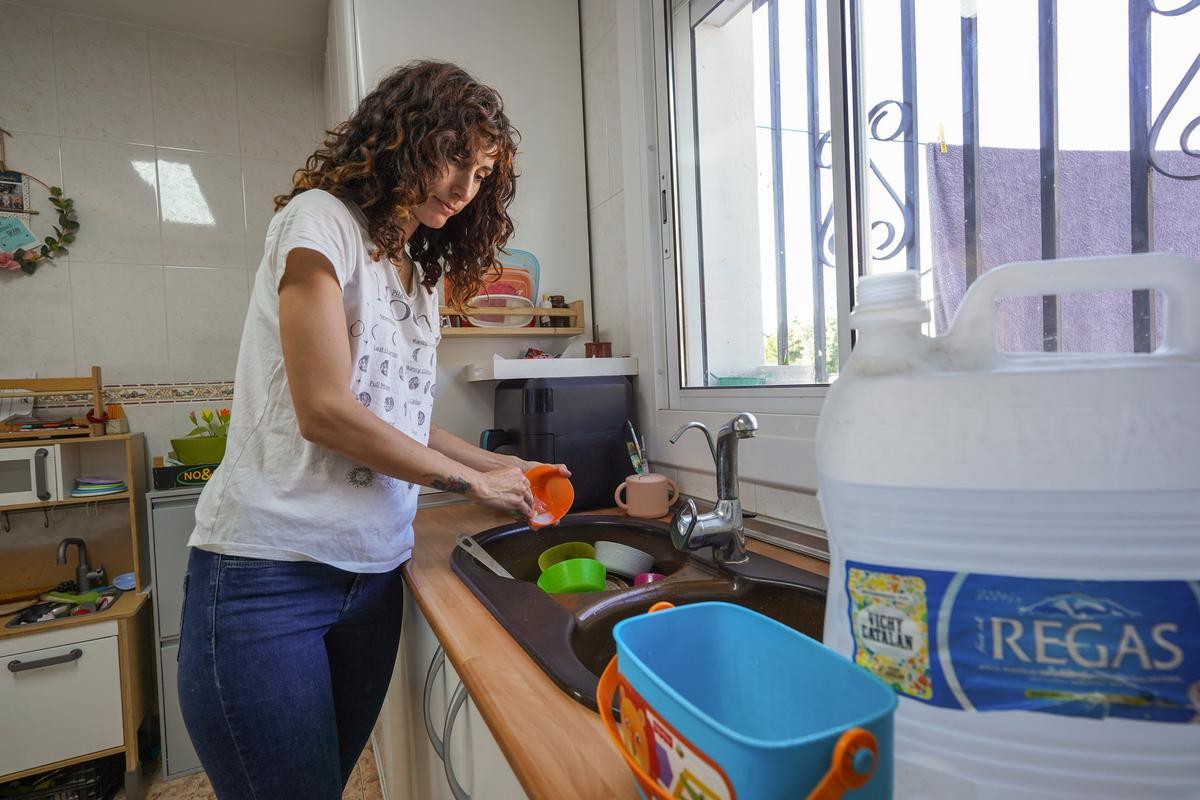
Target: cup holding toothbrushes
(647,496)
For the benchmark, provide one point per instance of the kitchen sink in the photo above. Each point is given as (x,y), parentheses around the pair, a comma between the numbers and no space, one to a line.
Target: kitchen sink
(570,635)
(14,621)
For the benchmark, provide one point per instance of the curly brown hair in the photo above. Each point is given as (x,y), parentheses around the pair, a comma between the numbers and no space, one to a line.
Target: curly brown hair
(387,157)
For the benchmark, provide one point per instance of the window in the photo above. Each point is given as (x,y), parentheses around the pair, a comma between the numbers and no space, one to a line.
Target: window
(756,269)
(977,133)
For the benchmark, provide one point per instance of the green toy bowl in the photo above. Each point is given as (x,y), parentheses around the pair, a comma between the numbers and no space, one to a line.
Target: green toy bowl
(200,450)
(573,576)
(562,552)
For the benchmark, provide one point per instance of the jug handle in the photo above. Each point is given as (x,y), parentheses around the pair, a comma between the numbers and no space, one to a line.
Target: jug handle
(973,332)
(617,498)
(850,767)
(605,689)
(674,493)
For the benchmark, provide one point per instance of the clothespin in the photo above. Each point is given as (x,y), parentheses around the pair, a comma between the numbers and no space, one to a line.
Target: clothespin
(941,138)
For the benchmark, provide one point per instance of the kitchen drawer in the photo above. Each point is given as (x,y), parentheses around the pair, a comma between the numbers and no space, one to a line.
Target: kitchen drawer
(172,521)
(40,640)
(59,701)
(178,754)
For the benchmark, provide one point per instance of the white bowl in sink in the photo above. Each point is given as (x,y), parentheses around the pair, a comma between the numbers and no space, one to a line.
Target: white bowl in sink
(623,559)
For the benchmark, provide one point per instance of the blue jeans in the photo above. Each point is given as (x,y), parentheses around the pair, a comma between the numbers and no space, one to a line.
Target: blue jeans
(283,667)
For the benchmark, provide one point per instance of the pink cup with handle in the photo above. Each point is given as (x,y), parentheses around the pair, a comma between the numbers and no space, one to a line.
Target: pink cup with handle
(647,496)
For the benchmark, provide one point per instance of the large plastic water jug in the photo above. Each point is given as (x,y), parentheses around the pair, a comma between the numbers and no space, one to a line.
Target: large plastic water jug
(1015,540)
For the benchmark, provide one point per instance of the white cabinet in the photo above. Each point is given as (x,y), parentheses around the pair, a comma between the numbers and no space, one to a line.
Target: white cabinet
(427,699)
(491,776)
(431,732)
(61,695)
(171,515)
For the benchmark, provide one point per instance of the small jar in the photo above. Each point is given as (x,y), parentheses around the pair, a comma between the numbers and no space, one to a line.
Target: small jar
(558,301)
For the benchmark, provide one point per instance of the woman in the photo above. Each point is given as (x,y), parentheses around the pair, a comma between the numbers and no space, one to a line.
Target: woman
(293,592)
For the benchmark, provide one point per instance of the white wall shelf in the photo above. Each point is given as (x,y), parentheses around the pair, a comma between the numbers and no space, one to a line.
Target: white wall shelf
(504,368)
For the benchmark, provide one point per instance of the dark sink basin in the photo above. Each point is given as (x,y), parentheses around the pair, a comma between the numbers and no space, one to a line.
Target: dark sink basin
(570,635)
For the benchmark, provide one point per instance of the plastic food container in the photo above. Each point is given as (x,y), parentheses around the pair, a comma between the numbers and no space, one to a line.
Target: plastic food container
(562,552)
(500,320)
(572,576)
(623,559)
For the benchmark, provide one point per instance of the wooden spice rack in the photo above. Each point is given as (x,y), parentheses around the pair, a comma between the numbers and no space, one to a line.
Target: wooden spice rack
(573,312)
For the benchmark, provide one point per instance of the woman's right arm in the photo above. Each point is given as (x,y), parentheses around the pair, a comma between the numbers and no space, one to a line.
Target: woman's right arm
(316,355)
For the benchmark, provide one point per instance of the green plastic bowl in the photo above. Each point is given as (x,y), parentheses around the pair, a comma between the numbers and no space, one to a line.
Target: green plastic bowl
(562,552)
(573,576)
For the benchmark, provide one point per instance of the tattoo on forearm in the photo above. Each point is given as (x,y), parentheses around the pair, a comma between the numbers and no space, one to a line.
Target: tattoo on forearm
(451,483)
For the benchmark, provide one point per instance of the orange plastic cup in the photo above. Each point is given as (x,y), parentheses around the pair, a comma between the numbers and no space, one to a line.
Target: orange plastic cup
(552,495)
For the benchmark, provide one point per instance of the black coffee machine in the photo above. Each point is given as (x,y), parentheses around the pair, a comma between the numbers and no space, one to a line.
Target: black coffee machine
(580,422)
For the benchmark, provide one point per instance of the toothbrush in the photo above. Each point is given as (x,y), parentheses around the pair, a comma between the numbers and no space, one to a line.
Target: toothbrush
(640,467)
(634,458)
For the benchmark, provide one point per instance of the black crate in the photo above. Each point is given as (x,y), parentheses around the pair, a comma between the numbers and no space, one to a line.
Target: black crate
(181,477)
(91,780)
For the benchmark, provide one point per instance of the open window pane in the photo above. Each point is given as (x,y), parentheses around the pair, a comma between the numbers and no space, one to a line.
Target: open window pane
(756,272)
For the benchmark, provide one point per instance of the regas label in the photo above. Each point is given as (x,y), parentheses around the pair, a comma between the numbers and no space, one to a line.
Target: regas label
(989,642)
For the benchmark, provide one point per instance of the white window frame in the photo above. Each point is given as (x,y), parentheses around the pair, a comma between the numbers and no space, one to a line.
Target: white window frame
(781,457)
(670,162)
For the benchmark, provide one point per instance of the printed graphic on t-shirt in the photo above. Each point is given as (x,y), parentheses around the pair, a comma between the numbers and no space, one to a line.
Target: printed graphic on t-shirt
(360,476)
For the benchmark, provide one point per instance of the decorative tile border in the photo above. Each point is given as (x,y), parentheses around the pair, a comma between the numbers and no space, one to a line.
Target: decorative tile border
(147,394)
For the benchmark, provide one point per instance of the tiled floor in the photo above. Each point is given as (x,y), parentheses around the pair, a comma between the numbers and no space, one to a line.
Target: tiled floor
(363,785)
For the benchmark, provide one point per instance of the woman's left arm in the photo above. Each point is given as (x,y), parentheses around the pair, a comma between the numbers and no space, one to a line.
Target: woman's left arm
(474,457)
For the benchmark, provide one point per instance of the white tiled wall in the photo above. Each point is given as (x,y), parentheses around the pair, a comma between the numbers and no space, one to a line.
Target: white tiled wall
(173,148)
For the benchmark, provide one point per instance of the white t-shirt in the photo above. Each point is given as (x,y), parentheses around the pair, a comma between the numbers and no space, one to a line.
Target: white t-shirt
(278,496)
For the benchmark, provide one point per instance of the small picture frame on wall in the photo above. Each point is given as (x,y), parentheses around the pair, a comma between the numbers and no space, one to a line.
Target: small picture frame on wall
(14,193)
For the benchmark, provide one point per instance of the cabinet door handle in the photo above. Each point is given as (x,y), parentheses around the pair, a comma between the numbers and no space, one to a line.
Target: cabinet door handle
(435,666)
(17,665)
(39,474)
(456,705)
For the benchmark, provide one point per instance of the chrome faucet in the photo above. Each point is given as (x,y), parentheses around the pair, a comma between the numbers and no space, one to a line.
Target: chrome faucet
(720,528)
(85,576)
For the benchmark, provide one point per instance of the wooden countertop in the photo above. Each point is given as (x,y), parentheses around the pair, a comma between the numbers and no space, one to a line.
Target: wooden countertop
(126,606)
(557,748)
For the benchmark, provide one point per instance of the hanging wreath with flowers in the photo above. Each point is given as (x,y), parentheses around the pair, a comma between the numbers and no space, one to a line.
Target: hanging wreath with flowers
(14,205)
(29,259)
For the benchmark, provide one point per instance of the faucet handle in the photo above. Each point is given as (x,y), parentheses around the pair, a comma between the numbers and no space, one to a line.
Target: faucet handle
(683,523)
(712,448)
(742,426)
